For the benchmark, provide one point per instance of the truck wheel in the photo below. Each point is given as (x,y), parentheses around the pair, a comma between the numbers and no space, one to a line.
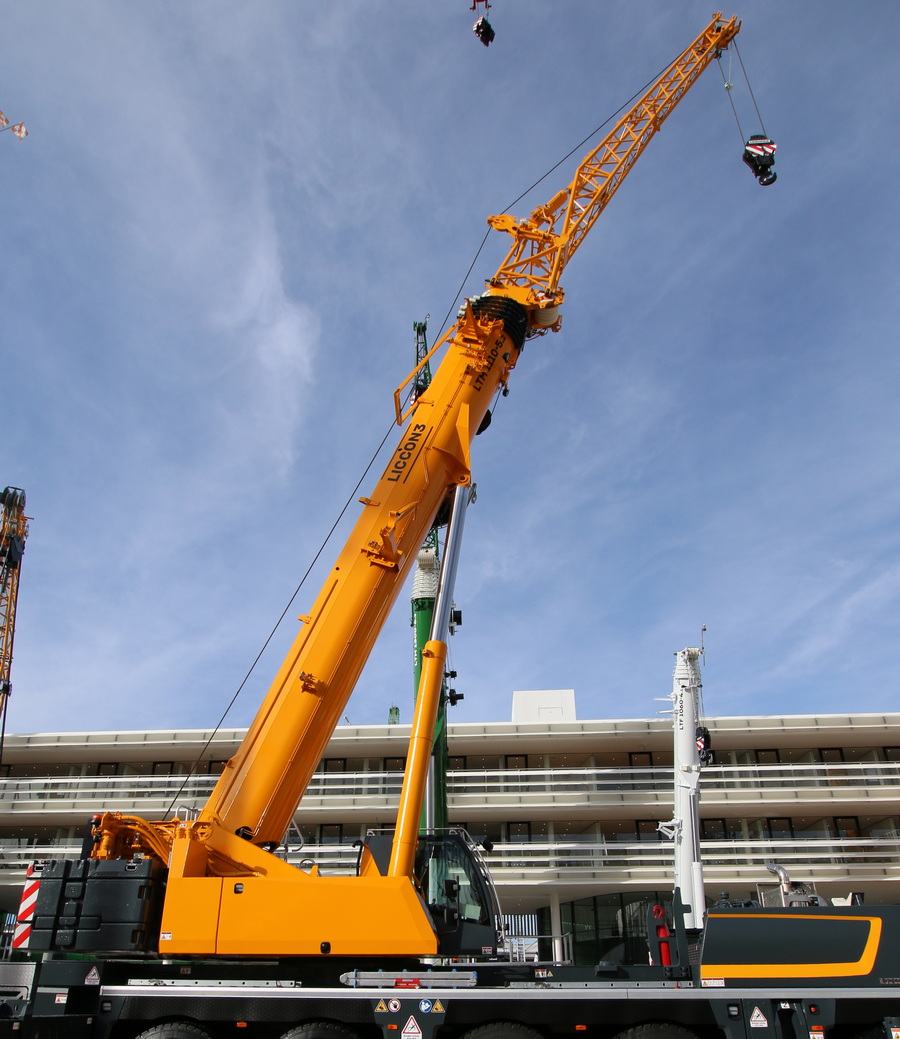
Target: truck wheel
(175,1030)
(656,1030)
(319,1030)
(503,1030)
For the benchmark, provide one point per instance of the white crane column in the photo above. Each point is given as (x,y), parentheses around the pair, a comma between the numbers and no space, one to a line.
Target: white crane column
(685,826)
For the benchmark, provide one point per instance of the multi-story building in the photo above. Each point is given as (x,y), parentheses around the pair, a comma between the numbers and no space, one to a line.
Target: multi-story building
(571,807)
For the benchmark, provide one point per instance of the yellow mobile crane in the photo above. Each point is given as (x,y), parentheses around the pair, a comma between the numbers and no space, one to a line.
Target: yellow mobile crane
(240,939)
(226,891)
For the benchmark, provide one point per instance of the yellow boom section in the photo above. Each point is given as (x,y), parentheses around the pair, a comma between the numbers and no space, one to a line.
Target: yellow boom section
(547,240)
(261,786)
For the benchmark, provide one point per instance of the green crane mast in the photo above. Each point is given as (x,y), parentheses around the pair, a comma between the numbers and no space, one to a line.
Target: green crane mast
(425,585)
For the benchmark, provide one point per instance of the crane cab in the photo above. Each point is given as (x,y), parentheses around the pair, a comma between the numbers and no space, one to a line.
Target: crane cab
(460,895)
(455,885)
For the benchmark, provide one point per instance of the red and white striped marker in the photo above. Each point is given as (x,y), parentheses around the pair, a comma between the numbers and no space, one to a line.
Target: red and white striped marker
(26,909)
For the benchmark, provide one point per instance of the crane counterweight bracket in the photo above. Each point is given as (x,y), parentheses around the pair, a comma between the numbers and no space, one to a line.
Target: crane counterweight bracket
(383,550)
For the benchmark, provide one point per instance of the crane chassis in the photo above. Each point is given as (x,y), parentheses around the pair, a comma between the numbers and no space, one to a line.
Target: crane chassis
(815,997)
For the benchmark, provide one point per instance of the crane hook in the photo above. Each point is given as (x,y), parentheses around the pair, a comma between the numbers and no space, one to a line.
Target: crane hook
(759,155)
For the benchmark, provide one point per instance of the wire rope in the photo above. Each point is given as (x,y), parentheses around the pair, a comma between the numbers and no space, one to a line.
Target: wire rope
(192,771)
(750,88)
(729,86)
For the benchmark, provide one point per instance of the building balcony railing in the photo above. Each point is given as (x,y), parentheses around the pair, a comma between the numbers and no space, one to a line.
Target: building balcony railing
(645,864)
(472,791)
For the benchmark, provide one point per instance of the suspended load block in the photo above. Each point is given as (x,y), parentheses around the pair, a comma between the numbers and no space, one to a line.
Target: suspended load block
(484,31)
(759,154)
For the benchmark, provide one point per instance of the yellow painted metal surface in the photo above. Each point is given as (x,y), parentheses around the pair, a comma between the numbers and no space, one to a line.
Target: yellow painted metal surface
(358,916)
(418,761)
(262,785)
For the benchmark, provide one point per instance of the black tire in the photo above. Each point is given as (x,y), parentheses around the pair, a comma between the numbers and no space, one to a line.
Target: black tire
(320,1030)
(656,1030)
(175,1030)
(503,1030)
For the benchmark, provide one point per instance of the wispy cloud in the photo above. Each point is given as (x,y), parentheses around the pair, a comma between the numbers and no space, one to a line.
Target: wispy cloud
(221,228)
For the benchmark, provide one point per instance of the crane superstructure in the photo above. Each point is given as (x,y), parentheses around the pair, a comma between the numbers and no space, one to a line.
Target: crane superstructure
(13,532)
(227,891)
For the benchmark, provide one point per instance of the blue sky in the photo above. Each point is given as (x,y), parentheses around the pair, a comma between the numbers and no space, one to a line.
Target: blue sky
(218,235)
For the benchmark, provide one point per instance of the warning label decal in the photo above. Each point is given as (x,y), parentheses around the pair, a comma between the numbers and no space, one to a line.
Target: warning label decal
(411,1029)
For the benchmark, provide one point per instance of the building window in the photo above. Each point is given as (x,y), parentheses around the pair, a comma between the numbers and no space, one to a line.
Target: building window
(714,829)
(847,826)
(884,828)
(300,834)
(780,829)
(331,833)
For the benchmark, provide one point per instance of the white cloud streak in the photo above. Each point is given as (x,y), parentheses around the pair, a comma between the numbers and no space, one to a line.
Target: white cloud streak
(226,219)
